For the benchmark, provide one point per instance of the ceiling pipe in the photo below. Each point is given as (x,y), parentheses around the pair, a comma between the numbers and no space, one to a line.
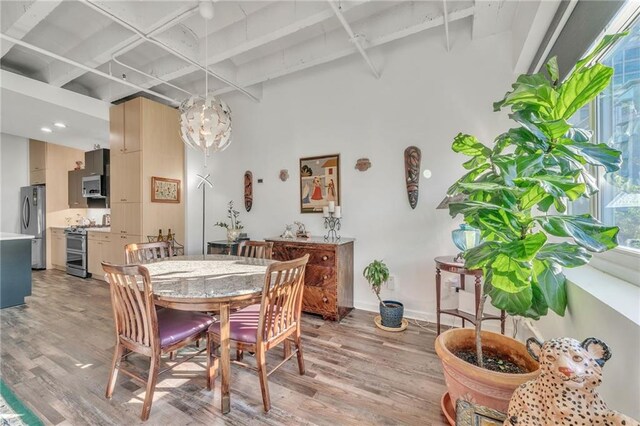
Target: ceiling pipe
(153,77)
(86,68)
(353,37)
(168,49)
(446,24)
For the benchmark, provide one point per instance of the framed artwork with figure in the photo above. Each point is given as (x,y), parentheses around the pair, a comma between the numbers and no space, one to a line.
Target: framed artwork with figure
(319,182)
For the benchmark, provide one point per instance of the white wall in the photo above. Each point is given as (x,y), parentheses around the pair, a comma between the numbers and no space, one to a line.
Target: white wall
(424,98)
(14,173)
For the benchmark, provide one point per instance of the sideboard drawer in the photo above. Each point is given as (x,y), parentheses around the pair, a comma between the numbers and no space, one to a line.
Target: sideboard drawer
(322,301)
(319,276)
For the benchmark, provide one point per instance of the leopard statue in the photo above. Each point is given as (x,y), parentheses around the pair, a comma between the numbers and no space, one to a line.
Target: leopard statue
(565,392)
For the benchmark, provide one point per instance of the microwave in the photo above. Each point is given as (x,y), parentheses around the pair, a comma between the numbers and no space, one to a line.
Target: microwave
(94,187)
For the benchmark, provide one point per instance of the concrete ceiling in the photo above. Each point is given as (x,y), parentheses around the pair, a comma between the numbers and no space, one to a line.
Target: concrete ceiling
(161,47)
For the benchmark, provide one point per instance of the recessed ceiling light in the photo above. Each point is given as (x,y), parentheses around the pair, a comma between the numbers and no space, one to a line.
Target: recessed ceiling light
(59,124)
(46,129)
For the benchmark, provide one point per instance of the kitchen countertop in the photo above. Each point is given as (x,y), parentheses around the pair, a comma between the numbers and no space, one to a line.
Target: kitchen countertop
(5,236)
(104,229)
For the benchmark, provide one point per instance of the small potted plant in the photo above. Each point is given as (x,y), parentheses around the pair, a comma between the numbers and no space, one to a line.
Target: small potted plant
(233,229)
(391,312)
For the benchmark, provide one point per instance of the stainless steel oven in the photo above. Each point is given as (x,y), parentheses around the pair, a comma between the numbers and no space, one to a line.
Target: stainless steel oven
(77,252)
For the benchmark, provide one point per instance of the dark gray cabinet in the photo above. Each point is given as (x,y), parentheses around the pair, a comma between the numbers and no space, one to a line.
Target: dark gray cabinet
(76,200)
(96,161)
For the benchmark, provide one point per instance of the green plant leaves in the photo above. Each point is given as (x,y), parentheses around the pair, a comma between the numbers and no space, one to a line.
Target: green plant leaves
(469,145)
(565,254)
(552,282)
(525,250)
(598,155)
(552,69)
(580,88)
(584,229)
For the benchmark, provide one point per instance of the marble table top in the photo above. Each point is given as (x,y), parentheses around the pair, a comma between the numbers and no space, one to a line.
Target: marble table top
(207,277)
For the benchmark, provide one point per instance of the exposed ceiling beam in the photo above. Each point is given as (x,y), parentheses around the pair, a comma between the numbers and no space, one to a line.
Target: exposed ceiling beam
(355,39)
(26,18)
(232,40)
(94,53)
(334,47)
(169,49)
(446,25)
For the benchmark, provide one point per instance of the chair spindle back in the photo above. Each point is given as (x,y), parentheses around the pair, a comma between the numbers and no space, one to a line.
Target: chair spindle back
(256,249)
(142,253)
(281,298)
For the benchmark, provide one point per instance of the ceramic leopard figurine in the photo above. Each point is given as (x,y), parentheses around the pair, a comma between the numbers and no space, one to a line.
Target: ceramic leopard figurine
(565,392)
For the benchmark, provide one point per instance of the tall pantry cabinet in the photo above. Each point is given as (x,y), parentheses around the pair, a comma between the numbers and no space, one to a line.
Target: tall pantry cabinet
(145,141)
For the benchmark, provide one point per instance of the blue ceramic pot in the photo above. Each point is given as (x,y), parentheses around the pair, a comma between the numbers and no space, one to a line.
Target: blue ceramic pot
(392,313)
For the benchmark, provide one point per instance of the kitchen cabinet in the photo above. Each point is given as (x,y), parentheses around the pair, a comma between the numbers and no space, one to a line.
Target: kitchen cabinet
(125,178)
(126,218)
(328,278)
(96,161)
(145,142)
(37,162)
(117,244)
(76,200)
(99,250)
(58,248)
(125,127)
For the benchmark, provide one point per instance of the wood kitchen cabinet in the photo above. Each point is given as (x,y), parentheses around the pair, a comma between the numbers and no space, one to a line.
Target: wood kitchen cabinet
(37,162)
(74,195)
(126,218)
(145,142)
(99,250)
(58,248)
(328,280)
(126,178)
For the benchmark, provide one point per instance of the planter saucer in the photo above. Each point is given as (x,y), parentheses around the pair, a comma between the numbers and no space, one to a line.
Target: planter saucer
(447,408)
(378,321)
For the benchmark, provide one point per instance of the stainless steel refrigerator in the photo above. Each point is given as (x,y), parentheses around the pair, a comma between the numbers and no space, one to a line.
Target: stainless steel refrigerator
(32,222)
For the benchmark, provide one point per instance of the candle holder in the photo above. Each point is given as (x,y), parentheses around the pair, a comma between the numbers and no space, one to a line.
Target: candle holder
(332,223)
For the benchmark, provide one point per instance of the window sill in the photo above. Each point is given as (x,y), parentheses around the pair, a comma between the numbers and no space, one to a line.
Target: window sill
(620,295)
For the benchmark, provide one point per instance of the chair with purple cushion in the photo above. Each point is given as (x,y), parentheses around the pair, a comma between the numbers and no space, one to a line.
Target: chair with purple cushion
(142,329)
(258,328)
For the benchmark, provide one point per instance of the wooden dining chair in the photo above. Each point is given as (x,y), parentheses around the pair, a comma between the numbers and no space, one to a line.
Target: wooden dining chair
(258,249)
(263,326)
(142,329)
(142,253)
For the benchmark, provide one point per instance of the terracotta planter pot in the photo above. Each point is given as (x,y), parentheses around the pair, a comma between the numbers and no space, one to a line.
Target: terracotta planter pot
(475,384)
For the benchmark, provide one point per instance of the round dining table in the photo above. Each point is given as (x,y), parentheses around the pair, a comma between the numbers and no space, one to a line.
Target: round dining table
(205,283)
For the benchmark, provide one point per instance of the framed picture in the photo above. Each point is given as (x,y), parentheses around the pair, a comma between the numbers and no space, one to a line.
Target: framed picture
(319,182)
(165,190)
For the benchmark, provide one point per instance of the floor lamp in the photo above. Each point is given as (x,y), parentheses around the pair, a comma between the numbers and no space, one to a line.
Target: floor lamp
(204,182)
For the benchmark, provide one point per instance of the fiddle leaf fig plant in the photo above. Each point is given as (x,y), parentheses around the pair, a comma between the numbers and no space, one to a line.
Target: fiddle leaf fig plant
(516,191)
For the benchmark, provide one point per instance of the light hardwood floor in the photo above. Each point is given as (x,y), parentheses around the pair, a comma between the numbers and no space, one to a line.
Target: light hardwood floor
(56,351)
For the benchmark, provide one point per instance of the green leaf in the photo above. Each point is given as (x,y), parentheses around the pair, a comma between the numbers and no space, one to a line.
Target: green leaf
(534,195)
(525,250)
(557,186)
(539,307)
(543,129)
(581,88)
(469,145)
(474,162)
(579,135)
(552,69)
(607,41)
(469,177)
(477,257)
(514,303)
(552,283)
(598,154)
(529,92)
(584,229)
(509,275)
(565,254)
(483,186)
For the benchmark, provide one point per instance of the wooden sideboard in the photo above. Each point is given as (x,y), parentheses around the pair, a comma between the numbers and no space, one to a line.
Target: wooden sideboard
(328,283)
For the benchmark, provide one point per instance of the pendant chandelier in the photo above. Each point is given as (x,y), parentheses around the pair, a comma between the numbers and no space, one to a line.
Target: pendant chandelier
(205,121)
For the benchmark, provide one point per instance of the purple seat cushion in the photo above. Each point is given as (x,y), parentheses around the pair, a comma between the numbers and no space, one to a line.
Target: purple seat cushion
(174,326)
(243,324)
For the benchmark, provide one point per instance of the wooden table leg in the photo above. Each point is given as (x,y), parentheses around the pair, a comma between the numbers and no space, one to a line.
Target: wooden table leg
(225,359)
(438,291)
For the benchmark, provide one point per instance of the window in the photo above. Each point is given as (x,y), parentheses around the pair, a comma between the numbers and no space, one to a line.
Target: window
(614,117)
(617,123)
